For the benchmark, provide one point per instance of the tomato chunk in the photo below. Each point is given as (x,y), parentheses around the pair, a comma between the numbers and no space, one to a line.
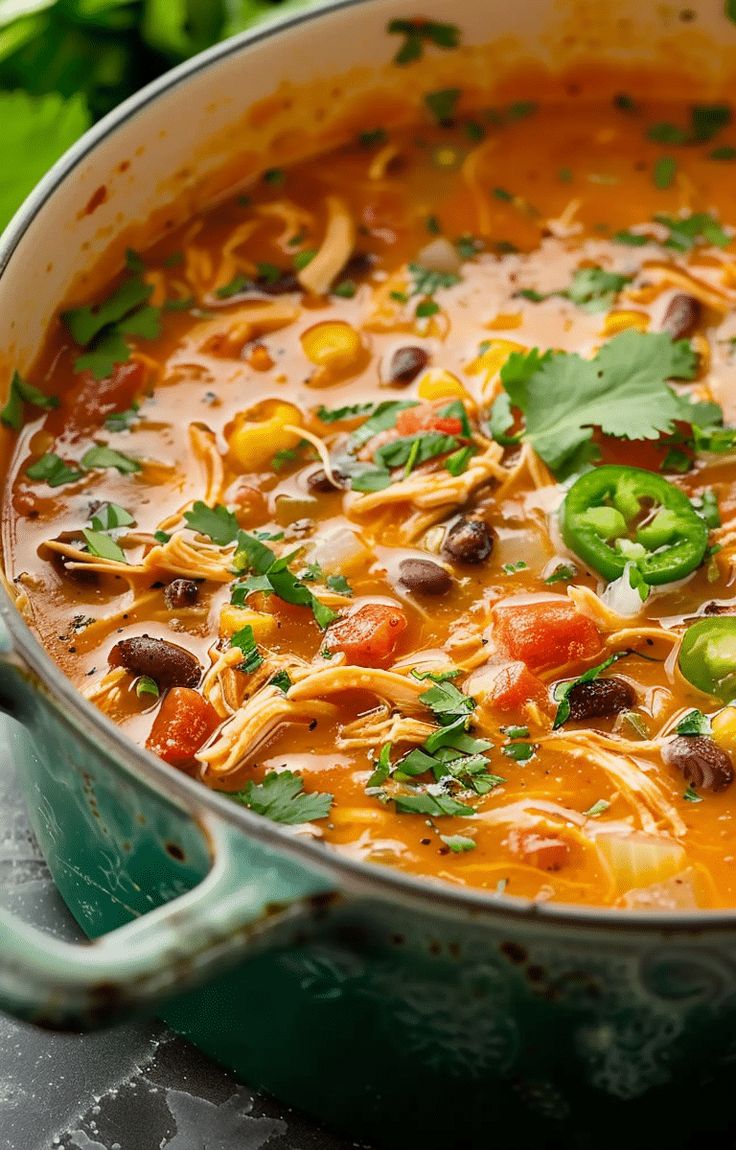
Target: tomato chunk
(545,634)
(182,725)
(369,636)
(514,686)
(424,417)
(88,401)
(548,852)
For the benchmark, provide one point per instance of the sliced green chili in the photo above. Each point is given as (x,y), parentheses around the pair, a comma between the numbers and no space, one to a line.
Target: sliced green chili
(708,656)
(618,515)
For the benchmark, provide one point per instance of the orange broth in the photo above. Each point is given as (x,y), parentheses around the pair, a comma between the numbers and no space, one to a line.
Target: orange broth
(514,199)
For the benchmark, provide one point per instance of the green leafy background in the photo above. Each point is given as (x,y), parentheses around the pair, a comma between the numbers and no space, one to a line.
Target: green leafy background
(65,63)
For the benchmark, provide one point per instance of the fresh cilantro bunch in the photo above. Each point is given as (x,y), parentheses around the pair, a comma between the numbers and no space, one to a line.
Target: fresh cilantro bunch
(65,63)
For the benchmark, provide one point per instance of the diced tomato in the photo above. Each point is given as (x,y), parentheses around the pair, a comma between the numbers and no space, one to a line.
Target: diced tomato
(424,417)
(514,686)
(548,852)
(182,725)
(368,636)
(545,634)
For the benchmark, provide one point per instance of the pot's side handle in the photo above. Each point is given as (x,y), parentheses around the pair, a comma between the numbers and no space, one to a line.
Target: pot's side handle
(252,898)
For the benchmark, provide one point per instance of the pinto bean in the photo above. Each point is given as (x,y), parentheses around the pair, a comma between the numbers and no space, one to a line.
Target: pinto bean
(406,363)
(682,316)
(166,663)
(701,761)
(600,699)
(468,541)
(424,577)
(319,483)
(181,593)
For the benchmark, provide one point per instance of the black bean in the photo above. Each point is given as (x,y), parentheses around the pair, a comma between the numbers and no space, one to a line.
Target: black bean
(359,264)
(181,593)
(468,541)
(682,315)
(424,577)
(701,761)
(166,663)
(406,363)
(319,482)
(600,699)
(286,282)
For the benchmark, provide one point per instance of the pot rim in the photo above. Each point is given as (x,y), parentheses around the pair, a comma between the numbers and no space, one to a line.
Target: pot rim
(361,878)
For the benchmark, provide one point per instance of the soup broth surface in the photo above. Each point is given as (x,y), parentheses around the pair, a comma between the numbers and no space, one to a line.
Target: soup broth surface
(306,440)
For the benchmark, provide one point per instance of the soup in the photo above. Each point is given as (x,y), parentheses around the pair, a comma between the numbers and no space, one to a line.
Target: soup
(394,497)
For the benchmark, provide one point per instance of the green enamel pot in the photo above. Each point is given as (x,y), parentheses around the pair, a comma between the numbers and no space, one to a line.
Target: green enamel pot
(400,1012)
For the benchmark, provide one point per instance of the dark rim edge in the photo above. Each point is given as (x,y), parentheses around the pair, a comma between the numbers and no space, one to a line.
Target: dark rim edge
(364,879)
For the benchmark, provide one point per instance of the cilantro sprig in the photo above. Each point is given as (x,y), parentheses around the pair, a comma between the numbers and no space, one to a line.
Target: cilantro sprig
(22,393)
(419,33)
(274,577)
(281,797)
(623,391)
(102,329)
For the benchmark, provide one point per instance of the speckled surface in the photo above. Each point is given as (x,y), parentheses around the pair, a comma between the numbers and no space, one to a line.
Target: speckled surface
(137,1087)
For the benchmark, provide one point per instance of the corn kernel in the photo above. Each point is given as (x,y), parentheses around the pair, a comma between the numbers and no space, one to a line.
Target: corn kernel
(233,619)
(505,321)
(259,358)
(438,384)
(259,433)
(333,346)
(491,360)
(617,321)
(723,728)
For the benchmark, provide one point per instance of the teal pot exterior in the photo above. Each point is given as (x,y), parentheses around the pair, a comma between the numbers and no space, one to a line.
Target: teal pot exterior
(398,1011)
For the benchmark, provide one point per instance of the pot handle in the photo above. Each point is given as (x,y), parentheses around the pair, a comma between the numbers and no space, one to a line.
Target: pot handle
(252,898)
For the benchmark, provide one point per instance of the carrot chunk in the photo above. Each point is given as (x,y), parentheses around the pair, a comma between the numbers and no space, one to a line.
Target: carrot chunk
(88,401)
(514,686)
(182,725)
(369,636)
(545,634)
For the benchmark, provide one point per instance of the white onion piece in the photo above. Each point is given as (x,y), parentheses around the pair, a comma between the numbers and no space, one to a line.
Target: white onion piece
(676,893)
(621,597)
(337,550)
(440,256)
(639,860)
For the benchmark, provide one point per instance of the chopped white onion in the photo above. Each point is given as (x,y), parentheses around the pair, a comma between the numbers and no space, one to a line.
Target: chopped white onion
(621,597)
(640,860)
(337,549)
(440,256)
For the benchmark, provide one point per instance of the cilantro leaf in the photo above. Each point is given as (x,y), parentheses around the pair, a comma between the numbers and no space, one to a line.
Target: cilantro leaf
(84,323)
(417,33)
(336,414)
(427,282)
(246,641)
(12,414)
(687,231)
(446,702)
(339,584)
(694,723)
(51,469)
(458,843)
(103,457)
(274,576)
(436,806)
(442,103)
(382,419)
(623,391)
(282,798)
(110,516)
(595,289)
(217,522)
(103,546)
